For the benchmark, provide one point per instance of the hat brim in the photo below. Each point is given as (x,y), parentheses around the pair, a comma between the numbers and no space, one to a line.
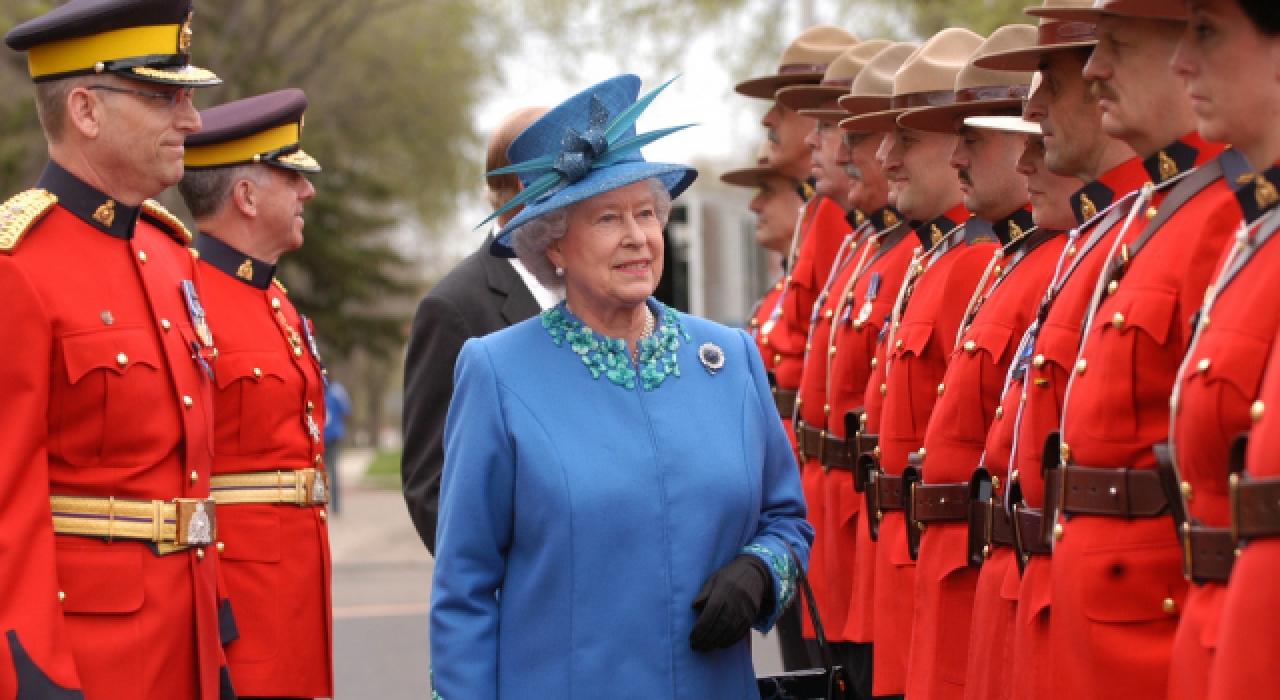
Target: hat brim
(187,76)
(1028,59)
(809,97)
(298,160)
(750,177)
(826,115)
(942,119)
(1093,14)
(874,122)
(1010,125)
(767,87)
(857,105)
(676,178)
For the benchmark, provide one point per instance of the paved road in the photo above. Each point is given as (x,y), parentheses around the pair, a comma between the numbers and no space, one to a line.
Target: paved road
(382,591)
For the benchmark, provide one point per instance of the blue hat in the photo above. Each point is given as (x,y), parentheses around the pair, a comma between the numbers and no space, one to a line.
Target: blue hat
(585,146)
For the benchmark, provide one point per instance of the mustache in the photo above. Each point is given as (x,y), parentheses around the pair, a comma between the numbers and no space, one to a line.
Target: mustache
(773,135)
(1099,90)
(965,178)
(853,171)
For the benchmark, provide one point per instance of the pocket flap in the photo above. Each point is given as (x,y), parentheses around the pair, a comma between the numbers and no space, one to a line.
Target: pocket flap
(1151,310)
(253,366)
(1132,584)
(248,535)
(1059,344)
(915,338)
(993,338)
(1248,358)
(105,581)
(117,350)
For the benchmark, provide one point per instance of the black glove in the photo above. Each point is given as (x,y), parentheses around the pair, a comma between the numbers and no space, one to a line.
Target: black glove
(729,603)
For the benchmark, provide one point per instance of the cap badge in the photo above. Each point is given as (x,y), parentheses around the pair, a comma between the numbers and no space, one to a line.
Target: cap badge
(1167,167)
(184,36)
(712,357)
(1087,208)
(1266,193)
(245,271)
(106,214)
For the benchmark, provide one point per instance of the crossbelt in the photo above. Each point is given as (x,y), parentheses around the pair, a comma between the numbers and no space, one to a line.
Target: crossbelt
(302,487)
(172,525)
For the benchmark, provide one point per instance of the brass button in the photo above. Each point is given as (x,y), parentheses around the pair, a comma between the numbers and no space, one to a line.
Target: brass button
(921,453)
(857,325)
(874,361)
(319,460)
(62,596)
(941,388)
(826,409)
(1257,410)
(1081,366)
(222,547)
(995,482)
(194,253)
(1170,606)
(1118,320)
(1187,492)
(1058,531)
(828,314)
(777,359)
(1112,287)
(884,390)
(257,372)
(1038,361)
(142,256)
(876,451)
(1203,365)
(164,323)
(986,551)
(998,271)
(1071,251)
(1065,451)
(275,304)
(298,351)
(186,401)
(200,553)
(1014,475)
(195,476)
(831,351)
(323,515)
(122,359)
(970,346)
(808,347)
(1151,213)
(999,412)
(1204,322)
(311,406)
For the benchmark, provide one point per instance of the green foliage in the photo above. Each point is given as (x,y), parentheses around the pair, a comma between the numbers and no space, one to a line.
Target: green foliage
(928,17)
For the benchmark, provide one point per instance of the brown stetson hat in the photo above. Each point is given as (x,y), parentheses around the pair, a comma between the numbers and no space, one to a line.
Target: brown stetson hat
(874,85)
(927,78)
(1134,9)
(978,90)
(1054,35)
(837,81)
(751,177)
(1009,124)
(804,61)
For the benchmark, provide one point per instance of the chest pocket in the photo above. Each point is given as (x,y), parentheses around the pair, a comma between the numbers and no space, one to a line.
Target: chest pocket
(1233,364)
(259,402)
(913,379)
(1129,338)
(115,404)
(975,387)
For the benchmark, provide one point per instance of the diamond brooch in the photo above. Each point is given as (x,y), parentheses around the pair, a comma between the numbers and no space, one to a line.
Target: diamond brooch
(712,357)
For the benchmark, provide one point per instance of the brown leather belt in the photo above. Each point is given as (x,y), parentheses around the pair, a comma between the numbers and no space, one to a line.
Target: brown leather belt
(786,400)
(940,502)
(1255,507)
(1209,552)
(1122,492)
(1002,533)
(809,441)
(889,493)
(839,453)
(1028,532)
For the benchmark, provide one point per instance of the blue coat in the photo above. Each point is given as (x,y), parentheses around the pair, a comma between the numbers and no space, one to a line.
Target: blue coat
(579,518)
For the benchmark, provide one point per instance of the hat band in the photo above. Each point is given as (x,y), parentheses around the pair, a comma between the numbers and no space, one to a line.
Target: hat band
(930,98)
(792,68)
(1002,92)
(1054,33)
(82,53)
(244,149)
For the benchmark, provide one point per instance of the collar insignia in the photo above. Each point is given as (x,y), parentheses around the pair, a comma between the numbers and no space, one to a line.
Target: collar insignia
(1087,208)
(1015,232)
(1266,193)
(1167,167)
(245,271)
(106,214)
(935,234)
(890,219)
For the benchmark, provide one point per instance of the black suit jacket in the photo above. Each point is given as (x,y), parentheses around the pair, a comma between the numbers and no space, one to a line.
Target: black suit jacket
(481,295)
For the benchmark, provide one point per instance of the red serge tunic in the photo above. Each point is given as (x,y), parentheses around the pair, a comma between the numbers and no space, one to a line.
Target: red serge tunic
(101,398)
(855,386)
(1117,582)
(919,350)
(967,398)
(1218,382)
(275,557)
(829,557)
(1032,406)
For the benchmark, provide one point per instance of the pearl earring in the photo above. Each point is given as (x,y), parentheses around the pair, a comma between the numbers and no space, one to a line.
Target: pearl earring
(559,271)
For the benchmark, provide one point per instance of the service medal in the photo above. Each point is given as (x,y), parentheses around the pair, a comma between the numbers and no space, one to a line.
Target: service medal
(196,311)
(865,312)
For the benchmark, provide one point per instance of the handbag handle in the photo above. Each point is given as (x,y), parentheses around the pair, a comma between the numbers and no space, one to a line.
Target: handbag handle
(827,665)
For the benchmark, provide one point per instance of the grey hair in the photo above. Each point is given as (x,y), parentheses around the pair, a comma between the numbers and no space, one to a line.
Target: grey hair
(207,191)
(51,104)
(531,239)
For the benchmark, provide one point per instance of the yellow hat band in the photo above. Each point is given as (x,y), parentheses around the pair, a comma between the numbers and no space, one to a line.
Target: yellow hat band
(243,150)
(82,53)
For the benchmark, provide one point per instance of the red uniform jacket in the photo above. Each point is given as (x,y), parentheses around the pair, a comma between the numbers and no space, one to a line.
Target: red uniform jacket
(967,398)
(919,350)
(101,398)
(856,378)
(1247,645)
(1117,582)
(269,400)
(761,314)
(1217,385)
(1032,406)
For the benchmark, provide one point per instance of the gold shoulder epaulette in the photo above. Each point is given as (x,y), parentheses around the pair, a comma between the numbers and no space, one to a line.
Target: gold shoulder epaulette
(281,286)
(20,213)
(172,224)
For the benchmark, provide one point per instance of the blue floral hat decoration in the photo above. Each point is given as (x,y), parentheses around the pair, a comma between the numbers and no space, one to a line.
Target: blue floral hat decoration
(586,145)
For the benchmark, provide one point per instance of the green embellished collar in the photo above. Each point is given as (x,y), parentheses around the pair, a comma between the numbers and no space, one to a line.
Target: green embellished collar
(656,359)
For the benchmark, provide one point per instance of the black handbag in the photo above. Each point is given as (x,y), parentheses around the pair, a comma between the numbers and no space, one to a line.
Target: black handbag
(830,682)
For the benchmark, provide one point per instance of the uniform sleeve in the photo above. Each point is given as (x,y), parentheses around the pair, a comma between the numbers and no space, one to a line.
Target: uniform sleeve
(476,511)
(38,661)
(439,331)
(782,508)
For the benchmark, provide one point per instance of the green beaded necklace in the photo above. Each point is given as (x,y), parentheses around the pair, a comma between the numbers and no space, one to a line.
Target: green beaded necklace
(655,359)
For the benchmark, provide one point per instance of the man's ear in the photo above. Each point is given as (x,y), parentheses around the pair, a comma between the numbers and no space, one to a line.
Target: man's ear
(245,195)
(85,112)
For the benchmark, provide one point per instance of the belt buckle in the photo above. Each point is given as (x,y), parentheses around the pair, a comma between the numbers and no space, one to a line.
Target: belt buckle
(1233,505)
(197,521)
(873,491)
(1188,566)
(315,487)
(822,452)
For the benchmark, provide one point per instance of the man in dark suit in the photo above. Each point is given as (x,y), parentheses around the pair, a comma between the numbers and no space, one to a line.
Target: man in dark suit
(481,295)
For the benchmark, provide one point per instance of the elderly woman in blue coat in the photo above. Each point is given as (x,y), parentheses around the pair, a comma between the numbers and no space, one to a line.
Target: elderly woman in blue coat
(619,504)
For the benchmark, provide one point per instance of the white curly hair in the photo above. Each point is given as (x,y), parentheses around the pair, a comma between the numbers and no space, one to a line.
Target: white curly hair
(530,239)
